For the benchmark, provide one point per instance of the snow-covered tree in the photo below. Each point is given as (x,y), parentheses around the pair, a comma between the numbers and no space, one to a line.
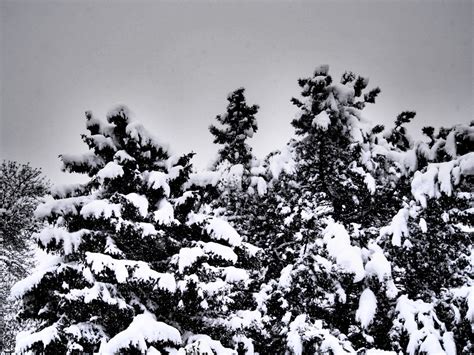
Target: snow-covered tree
(429,242)
(238,124)
(131,266)
(316,252)
(330,124)
(21,187)
(239,177)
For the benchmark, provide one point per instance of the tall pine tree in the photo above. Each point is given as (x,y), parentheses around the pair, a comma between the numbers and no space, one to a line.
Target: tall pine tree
(238,124)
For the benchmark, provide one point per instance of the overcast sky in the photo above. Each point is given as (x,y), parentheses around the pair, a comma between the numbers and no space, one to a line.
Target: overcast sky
(173,64)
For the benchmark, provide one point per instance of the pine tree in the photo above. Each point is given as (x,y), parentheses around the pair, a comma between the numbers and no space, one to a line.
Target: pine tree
(317,275)
(239,124)
(239,183)
(131,266)
(431,243)
(331,139)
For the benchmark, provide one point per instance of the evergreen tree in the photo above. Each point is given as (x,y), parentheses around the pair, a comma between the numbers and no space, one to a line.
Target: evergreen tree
(431,244)
(238,184)
(238,124)
(317,276)
(130,266)
(331,138)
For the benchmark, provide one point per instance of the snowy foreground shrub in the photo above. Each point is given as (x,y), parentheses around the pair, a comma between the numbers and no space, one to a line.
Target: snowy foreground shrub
(353,239)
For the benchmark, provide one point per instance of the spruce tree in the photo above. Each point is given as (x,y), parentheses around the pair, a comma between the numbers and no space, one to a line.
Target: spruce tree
(131,266)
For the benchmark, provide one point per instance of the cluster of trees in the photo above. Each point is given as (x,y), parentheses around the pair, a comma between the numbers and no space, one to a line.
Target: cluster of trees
(351,239)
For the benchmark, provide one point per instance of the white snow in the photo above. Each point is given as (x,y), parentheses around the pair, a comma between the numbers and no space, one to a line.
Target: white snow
(88,159)
(61,207)
(283,161)
(397,228)
(126,270)
(231,175)
(339,246)
(66,190)
(257,168)
(251,249)
(101,142)
(431,345)
(423,226)
(143,137)
(466,164)
(157,180)
(188,256)
(343,93)
(47,263)
(367,308)
(214,287)
(331,343)
(98,262)
(439,178)
(285,277)
(122,156)
(98,208)
(246,342)
(119,110)
(111,170)
(379,265)
(183,198)
(143,330)
(71,241)
(220,229)
(203,178)
(220,250)
(415,314)
(86,331)
(466,293)
(450,145)
(448,343)
(165,213)
(244,319)
(147,229)
(233,274)
(293,338)
(143,272)
(261,186)
(25,339)
(370,183)
(139,202)
(99,291)
(322,121)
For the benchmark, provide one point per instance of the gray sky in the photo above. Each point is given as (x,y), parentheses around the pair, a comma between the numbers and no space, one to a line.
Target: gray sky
(173,64)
